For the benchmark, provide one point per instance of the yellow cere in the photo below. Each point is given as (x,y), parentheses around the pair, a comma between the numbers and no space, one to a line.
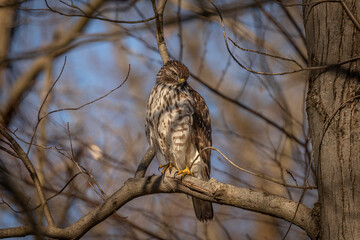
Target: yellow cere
(182,80)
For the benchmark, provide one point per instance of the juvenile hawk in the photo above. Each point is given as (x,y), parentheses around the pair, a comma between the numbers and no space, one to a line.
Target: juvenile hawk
(178,127)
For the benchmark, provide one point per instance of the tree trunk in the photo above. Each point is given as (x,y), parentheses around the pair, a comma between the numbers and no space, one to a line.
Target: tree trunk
(333,110)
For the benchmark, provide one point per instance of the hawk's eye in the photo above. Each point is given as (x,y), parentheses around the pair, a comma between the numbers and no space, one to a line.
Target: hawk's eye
(173,73)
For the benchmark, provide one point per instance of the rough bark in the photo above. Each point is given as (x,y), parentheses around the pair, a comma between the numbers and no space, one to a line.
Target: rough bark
(333,110)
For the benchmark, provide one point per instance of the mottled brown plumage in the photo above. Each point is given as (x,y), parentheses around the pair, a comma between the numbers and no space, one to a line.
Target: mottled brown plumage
(178,127)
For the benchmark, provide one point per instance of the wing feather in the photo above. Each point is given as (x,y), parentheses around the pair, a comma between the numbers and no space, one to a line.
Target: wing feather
(202,128)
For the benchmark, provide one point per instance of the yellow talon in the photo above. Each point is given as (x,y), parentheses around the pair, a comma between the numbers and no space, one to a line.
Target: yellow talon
(184,172)
(165,167)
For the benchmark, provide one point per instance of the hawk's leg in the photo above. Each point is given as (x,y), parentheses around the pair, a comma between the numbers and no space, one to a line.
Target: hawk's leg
(165,167)
(184,172)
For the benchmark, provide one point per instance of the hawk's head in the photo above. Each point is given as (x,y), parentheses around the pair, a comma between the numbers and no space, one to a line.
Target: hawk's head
(173,72)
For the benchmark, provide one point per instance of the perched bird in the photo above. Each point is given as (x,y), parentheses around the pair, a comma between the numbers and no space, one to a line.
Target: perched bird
(178,127)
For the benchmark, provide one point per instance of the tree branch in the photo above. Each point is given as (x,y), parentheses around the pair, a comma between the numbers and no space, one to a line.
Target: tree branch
(30,167)
(145,162)
(159,12)
(85,15)
(211,190)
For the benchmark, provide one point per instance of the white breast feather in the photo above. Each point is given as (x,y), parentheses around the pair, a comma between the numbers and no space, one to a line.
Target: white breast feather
(171,133)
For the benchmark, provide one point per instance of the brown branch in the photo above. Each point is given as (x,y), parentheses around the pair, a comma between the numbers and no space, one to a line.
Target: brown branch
(159,12)
(144,164)
(8,151)
(351,15)
(211,190)
(42,105)
(24,158)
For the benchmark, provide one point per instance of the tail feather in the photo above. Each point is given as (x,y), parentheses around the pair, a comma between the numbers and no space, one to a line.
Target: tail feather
(203,209)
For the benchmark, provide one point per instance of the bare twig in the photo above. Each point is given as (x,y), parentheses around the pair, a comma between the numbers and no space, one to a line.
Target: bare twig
(266,54)
(24,158)
(68,109)
(327,124)
(42,105)
(296,210)
(304,4)
(247,108)
(72,5)
(51,88)
(84,15)
(53,196)
(284,33)
(91,102)
(295,24)
(83,170)
(351,15)
(292,176)
(270,73)
(252,173)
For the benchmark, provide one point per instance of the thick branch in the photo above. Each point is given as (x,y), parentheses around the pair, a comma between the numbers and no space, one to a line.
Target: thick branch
(211,190)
